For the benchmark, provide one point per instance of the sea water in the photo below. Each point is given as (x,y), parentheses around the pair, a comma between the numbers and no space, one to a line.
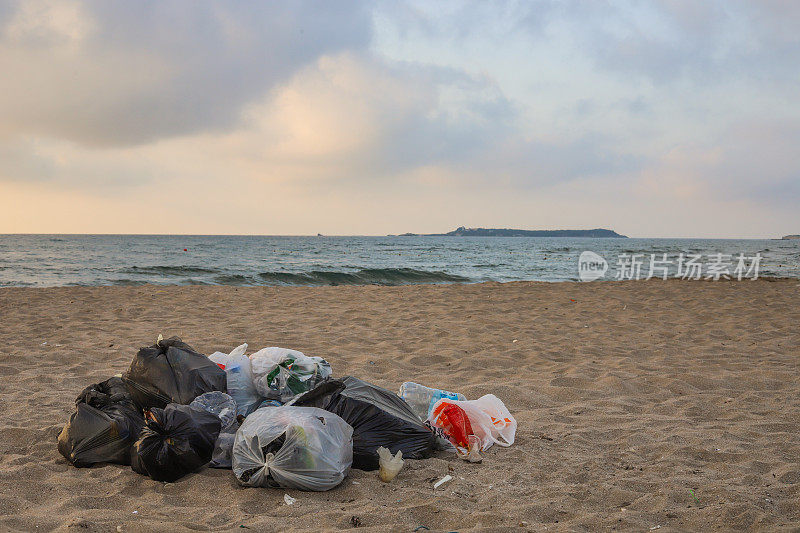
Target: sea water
(56,260)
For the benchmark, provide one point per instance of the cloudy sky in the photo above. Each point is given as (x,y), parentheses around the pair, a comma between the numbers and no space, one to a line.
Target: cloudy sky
(656,119)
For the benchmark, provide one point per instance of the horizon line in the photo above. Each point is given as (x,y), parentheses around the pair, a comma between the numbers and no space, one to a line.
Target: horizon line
(375,235)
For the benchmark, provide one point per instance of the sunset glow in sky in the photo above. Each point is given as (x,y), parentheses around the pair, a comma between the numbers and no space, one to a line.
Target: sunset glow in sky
(655,119)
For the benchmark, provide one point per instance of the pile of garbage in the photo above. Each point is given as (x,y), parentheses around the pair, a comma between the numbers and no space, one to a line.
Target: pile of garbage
(276,418)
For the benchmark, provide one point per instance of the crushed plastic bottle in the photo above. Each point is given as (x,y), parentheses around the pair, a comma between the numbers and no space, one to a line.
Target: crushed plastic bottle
(422,398)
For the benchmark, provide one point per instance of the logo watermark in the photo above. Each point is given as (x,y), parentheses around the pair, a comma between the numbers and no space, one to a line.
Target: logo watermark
(592,266)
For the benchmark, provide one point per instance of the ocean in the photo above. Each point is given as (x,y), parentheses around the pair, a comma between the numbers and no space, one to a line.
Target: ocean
(61,260)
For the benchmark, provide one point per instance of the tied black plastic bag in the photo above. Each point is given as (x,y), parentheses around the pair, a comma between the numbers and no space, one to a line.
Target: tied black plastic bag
(104,425)
(170,371)
(378,416)
(176,441)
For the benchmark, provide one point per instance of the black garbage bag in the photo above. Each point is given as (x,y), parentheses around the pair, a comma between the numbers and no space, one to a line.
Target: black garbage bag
(378,416)
(175,441)
(105,424)
(170,371)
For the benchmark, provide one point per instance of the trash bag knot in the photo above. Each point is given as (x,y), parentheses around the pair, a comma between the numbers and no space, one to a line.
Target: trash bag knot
(267,461)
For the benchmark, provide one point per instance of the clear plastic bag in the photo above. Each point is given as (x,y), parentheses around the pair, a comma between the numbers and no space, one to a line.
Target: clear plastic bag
(222,405)
(222,456)
(304,448)
(488,420)
(239,374)
(281,374)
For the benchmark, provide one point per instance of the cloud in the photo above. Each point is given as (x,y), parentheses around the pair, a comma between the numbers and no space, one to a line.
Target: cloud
(753,161)
(760,161)
(42,24)
(533,114)
(121,73)
(345,121)
(357,117)
(683,41)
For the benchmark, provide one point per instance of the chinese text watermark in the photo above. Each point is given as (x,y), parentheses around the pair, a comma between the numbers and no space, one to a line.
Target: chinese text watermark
(592,266)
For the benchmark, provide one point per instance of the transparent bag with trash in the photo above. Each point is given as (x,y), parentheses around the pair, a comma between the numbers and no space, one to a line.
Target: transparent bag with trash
(281,374)
(474,425)
(239,373)
(304,448)
(223,406)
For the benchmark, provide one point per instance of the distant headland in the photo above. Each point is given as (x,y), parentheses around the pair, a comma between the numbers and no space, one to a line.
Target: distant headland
(790,237)
(503,232)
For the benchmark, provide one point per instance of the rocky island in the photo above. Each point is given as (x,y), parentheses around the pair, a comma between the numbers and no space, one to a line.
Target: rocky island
(504,232)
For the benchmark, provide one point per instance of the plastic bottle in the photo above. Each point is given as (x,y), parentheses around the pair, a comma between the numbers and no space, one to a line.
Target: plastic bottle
(239,376)
(422,398)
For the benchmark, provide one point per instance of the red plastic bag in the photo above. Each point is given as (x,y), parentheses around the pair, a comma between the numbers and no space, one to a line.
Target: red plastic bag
(453,421)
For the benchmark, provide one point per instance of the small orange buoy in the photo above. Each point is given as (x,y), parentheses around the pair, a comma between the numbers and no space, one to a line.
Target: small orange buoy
(185,250)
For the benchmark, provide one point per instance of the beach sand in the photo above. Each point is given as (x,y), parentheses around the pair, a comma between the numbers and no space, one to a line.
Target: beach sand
(640,404)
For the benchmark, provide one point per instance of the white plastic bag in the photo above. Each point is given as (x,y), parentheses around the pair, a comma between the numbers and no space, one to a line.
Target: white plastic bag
(489,418)
(304,448)
(281,374)
(239,374)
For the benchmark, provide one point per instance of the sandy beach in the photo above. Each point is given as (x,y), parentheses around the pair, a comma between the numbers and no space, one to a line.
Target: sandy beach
(641,405)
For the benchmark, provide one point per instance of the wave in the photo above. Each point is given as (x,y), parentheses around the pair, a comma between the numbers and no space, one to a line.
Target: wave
(489,265)
(168,270)
(365,276)
(193,275)
(234,279)
(120,282)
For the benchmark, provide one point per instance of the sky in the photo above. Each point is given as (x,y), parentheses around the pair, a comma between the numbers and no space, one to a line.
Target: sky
(653,118)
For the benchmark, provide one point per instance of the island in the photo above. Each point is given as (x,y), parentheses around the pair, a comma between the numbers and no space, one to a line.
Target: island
(504,232)
(790,237)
